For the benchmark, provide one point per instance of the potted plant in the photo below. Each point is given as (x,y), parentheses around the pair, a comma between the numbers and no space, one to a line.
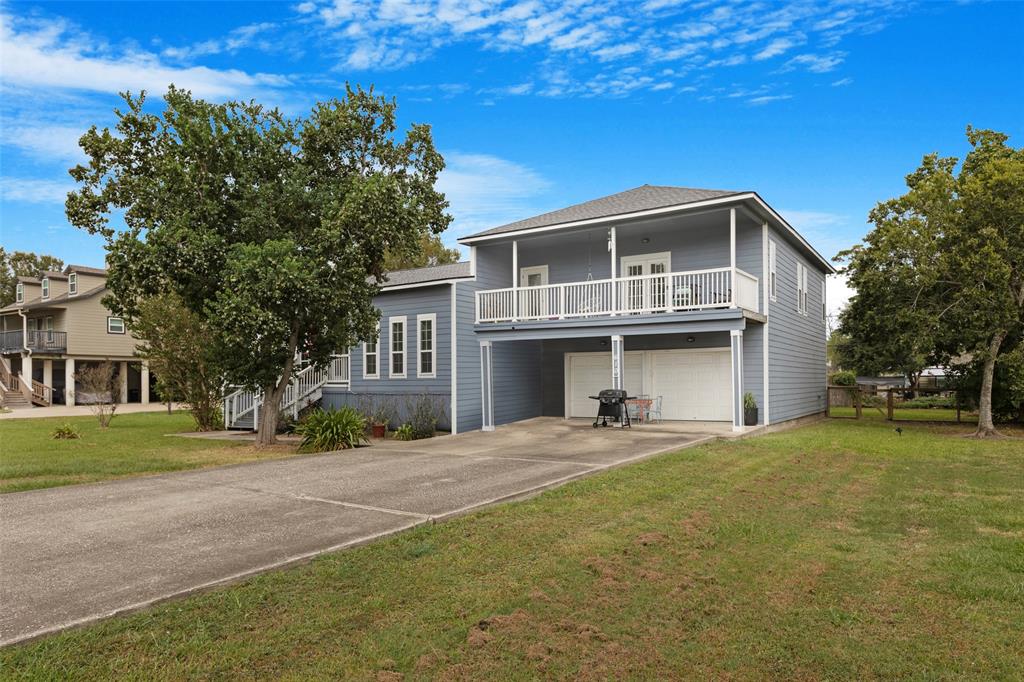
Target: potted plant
(749,409)
(382,416)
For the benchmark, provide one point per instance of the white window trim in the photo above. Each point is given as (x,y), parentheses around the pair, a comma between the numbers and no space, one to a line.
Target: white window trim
(73,284)
(773,277)
(525,272)
(19,293)
(110,319)
(392,321)
(45,284)
(376,359)
(433,346)
(824,310)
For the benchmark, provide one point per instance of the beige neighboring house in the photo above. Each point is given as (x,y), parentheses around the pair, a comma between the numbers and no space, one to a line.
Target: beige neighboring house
(56,326)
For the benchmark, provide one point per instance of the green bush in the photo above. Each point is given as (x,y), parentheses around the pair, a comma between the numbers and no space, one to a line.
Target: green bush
(844,378)
(65,432)
(323,431)
(929,402)
(404,432)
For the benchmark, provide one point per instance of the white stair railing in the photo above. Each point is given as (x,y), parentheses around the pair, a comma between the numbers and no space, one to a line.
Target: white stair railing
(304,389)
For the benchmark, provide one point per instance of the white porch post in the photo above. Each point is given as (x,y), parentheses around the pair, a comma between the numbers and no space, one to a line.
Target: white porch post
(736,339)
(765,296)
(732,257)
(144,393)
(69,382)
(26,369)
(486,386)
(48,373)
(123,377)
(617,361)
(613,247)
(515,280)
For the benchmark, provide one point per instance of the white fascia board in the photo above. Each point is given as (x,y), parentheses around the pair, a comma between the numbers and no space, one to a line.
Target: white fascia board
(417,285)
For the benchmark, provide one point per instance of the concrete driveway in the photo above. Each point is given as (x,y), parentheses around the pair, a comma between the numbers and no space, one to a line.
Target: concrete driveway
(75,554)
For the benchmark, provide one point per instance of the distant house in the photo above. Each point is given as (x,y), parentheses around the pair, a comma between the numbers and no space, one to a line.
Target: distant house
(56,325)
(697,296)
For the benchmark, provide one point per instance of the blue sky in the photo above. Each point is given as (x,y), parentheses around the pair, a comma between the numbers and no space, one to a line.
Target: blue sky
(822,107)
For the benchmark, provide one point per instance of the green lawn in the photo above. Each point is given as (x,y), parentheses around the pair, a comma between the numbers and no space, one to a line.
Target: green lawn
(133,444)
(840,550)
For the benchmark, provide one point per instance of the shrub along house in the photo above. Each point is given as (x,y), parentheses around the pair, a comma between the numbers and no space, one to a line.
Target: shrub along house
(56,325)
(697,296)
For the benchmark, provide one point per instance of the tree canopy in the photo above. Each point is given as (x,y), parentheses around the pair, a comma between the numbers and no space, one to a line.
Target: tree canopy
(22,264)
(275,230)
(942,272)
(430,251)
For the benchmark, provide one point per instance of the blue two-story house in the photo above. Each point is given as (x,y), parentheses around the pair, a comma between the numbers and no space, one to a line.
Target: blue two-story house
(694,296)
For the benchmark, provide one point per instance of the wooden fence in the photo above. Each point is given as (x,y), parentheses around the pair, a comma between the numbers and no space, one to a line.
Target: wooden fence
(854,396)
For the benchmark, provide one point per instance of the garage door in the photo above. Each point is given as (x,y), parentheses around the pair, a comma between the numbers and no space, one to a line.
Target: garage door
(590,373)
(694,385)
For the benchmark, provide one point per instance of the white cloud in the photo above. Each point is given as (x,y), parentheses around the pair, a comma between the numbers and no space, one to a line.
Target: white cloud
(837,294)
(774,49)
(765,99)
(841,82)
(39,55)
(486,191)
(237,39)
(45,142)
(816,63)
(34,191)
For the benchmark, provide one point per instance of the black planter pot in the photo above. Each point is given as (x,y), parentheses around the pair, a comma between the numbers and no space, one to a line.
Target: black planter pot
(750,416)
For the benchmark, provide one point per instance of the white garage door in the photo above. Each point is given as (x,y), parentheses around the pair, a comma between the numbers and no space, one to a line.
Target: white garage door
(589,373)
(694,385)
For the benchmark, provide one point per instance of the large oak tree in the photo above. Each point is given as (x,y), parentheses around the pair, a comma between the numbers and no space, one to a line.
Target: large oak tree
(942,272)
(273,229)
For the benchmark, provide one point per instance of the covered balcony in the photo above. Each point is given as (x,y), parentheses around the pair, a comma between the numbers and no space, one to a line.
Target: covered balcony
(678,264)
(37,341)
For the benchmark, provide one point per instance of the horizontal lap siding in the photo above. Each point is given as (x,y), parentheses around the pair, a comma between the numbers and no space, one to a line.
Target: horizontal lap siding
(409,303)
(753,365)
(494,271)
(517,380)
(796,343)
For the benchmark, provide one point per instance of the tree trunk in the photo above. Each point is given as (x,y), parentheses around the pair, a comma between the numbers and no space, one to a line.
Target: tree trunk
(986,427)
(270,410)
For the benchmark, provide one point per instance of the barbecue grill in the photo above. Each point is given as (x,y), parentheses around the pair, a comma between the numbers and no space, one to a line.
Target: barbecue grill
(611,402)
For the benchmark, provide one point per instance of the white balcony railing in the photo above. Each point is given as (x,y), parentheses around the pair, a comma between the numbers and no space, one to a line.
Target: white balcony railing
(665,292)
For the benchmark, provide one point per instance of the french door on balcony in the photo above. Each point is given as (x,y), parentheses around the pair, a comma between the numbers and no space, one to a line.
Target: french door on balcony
(644,291)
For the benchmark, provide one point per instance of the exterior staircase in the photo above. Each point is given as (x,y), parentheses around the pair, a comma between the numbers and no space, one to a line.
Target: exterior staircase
(242,407)
(12,395)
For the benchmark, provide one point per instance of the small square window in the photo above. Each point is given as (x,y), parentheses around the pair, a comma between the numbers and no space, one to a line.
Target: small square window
(115,325)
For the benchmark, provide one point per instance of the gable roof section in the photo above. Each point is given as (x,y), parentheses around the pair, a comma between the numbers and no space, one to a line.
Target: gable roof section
(642,198)
(56,301)
(85,270)
(425,276)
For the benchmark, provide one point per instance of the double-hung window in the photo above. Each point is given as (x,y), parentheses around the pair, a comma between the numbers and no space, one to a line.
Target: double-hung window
(396,342)
(371,357)
(46,287)
(73,284)
(426,355)
(19,293)
(801,288)
(824,312)
(772,283)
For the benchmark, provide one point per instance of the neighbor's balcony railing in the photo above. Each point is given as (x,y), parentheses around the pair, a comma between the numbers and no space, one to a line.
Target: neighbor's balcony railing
(41,341)
(666,292)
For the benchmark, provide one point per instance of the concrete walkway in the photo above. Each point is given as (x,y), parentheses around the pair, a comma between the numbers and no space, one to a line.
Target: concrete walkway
(80,553)
(83,410)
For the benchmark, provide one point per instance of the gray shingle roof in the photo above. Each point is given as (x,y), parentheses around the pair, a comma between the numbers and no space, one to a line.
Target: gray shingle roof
(641,198)
(429,274)
(56,301)
(84,269)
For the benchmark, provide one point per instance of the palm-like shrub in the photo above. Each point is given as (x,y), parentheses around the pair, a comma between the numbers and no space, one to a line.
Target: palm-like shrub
(326,430)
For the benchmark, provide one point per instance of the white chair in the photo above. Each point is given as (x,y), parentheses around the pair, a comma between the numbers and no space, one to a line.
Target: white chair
(654,411)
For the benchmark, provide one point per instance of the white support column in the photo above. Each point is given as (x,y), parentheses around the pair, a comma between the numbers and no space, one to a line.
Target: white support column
(123,377)
(515,280)
(618,362)
(736,344)
(486,386)
(144,393)
(48,373)
(732,257)
(69,382)
(765,297)
(613,247)
(26,369)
